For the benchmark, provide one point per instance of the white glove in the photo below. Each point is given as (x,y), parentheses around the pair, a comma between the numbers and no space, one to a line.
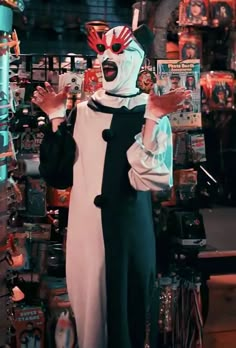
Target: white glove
(59,113)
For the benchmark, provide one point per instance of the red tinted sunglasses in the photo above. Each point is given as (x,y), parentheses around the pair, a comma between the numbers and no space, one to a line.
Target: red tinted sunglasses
(118,44)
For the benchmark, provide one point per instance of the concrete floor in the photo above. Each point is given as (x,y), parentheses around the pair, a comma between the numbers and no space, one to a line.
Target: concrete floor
(220,340)
(220,328)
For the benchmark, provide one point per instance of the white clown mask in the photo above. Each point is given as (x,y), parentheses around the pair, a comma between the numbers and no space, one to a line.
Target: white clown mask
(120,57)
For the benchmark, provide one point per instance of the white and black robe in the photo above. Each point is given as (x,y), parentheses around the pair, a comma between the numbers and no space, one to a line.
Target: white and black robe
(110,264)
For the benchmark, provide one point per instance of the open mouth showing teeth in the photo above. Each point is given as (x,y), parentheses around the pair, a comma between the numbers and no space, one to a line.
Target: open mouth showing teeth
(110,70)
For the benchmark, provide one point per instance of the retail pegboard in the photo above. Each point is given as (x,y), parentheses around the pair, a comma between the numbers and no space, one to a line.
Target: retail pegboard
(36,67)
(30,70)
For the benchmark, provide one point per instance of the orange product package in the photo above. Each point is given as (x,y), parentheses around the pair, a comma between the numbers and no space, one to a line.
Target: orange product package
(29,325)
(221,90)
(194,13)
(58,198)
(92,80)
(190,45)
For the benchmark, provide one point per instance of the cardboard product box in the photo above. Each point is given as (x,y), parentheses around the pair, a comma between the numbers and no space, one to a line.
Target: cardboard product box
(92,81)
(58,198)
(173,74)
(60,327)
(190,45)
(29,324)
(180,149)
(196,148)
(221,90)
(189,16)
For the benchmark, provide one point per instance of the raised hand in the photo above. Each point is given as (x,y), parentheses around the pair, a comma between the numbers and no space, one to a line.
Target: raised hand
(161,105)
(52,103)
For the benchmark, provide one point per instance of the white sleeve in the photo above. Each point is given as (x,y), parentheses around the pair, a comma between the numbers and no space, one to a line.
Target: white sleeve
(152,169)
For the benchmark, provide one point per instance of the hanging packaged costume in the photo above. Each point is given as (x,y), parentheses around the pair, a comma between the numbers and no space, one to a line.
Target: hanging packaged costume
(110,263)
(222,12)
(190,45)
(193,13)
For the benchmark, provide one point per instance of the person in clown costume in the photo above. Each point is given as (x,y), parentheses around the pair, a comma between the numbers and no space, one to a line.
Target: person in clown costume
(113,151)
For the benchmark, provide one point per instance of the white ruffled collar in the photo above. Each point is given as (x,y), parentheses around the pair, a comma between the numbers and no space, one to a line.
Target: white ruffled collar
(117,102)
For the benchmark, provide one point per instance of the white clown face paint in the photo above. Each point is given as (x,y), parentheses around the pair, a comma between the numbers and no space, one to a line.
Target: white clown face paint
(120,71)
